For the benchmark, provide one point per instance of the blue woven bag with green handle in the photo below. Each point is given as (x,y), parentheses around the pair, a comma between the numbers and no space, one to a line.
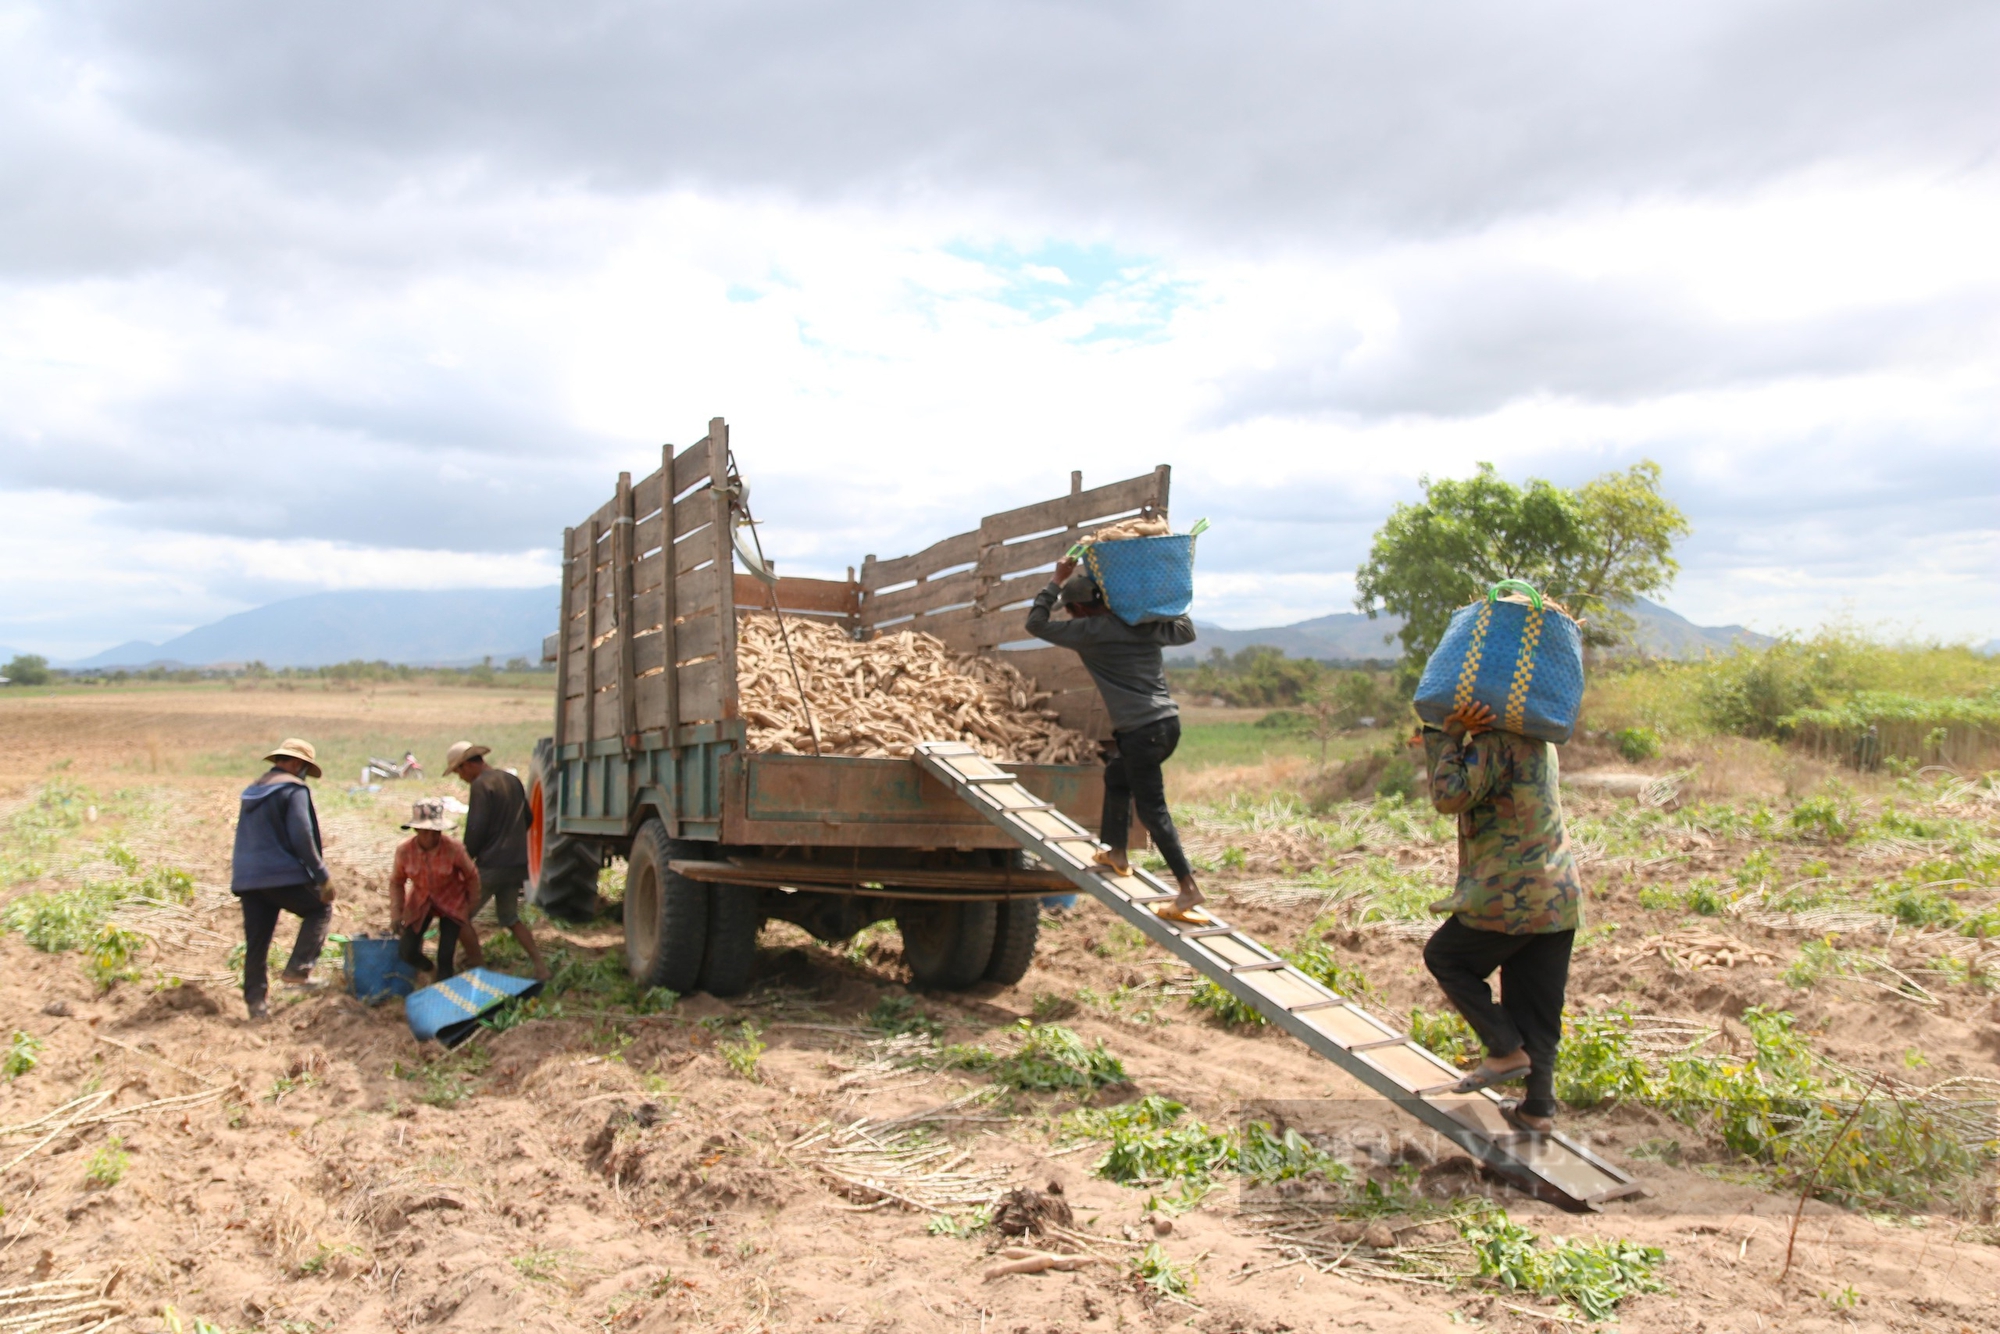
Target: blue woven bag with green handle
(1145,578)
(449,1010)
(1523,660)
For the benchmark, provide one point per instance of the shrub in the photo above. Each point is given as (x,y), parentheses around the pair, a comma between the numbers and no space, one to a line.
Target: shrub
(107,1166)
(1636,744)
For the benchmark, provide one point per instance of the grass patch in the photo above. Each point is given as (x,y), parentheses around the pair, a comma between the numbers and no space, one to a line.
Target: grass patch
(1315,961)
(1152,1144)
(1446,1033)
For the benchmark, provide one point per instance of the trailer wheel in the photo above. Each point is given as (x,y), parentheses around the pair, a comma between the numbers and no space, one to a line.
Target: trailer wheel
(562,868)
(947,945)
(666,915)
(1017,923)
(735,915)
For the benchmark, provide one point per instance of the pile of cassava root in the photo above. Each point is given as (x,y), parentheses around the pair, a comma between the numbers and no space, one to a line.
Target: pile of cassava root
(881,697)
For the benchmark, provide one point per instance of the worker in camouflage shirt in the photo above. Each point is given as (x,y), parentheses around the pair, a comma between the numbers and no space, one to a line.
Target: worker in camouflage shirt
(1514,908)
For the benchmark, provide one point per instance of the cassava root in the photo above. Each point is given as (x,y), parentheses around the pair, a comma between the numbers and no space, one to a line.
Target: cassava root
(882,696)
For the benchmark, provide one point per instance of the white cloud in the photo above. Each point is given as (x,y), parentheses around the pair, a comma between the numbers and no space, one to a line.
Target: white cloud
(282,349)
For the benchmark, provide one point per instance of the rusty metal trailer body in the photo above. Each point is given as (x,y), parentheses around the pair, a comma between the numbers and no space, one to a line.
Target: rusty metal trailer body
(649,760)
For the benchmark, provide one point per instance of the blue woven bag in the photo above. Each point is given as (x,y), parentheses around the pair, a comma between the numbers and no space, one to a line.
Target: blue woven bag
(449,1010)
(1522,660)
(1144,578)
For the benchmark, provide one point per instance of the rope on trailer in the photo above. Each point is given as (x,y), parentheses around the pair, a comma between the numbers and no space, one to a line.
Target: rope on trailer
(768,576)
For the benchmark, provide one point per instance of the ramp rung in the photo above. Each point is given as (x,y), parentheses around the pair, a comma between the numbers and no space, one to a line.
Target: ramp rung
(1550,1167)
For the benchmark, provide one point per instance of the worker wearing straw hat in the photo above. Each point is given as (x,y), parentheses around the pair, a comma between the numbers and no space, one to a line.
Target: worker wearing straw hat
(433,881)
(496,838)
(277,867)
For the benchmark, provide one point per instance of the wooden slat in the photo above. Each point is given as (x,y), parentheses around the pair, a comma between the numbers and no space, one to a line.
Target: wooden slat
(1006,594)
(646,571)
(1050,668)
(645,496)
(691,465)
(621,570)
(962,549)
(562,643)
(602,517)
(593,626)
(573,712)
(690,513)
(605,661)
(651,702)
(694,595)
(1036,553)
(608,706)
(952,589)
(1085,507)
(701,691)
(725,588)
(831,596)
(696,638)
(668,698)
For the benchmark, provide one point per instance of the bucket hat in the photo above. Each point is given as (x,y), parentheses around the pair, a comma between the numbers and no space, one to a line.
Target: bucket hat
(291,748)
(460,752)
(429,814)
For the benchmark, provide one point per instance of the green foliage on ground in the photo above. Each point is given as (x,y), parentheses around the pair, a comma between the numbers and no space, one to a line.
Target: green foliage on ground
(1445,1033)
(1161,1274)
(1783,1109)
(1592,1277)
(23,1055)
(743,1052)
(1048,1059)
(1153,1142)
(106,1167)
(1315,960)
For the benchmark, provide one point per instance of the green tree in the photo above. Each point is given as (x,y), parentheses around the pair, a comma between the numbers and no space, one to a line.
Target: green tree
(1593,549)
(27,669)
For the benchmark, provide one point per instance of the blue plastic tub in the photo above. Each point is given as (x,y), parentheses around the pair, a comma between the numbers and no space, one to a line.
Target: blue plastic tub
(375,969)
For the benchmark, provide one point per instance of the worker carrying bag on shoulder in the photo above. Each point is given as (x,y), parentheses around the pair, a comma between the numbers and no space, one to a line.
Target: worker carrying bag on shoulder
(1518,655)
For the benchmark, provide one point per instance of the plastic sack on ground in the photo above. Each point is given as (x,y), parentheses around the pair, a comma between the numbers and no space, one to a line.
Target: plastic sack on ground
(449,1010)
(1144,578)
(1521,659)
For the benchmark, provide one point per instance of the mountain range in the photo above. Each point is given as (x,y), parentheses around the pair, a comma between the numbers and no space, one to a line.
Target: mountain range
(1347,636)
(434,628)
(457,627)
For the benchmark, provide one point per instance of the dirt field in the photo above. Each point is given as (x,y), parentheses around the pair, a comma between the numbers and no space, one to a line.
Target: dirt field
(597,1166)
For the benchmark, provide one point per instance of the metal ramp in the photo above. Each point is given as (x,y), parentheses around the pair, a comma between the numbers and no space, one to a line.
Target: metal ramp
(1551,1167)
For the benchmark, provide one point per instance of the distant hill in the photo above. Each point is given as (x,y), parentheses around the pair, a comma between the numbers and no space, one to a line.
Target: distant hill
(1348,636)
(433,628)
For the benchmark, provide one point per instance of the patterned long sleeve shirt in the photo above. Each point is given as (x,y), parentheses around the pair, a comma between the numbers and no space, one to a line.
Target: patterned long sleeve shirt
(1515,871)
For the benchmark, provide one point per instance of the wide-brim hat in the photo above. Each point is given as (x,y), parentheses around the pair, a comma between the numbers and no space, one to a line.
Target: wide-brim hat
(460,752)
(291,748)
(429,814)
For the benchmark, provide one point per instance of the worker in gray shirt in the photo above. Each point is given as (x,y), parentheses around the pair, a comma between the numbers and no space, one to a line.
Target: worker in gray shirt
(496,838)
(1131,675)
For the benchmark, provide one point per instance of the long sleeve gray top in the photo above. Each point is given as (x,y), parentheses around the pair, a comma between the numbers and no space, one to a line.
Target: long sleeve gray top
(1125,660)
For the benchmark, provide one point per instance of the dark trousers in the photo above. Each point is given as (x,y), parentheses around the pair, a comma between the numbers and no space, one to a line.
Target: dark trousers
(261,908)
(1132,778)
(1534,975)
(411,945)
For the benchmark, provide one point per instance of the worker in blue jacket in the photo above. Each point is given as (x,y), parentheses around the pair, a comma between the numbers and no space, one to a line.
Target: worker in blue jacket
(278,867)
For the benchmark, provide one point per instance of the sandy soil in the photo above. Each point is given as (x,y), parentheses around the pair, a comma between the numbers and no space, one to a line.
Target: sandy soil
(612,1171)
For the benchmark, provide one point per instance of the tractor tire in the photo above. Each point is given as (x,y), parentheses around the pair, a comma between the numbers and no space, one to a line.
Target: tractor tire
(666,915)
(1017,924)
(561,868)
(735,916)
(947,945)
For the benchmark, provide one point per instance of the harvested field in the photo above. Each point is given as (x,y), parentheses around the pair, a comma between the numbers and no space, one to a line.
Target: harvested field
(881,696)
(827,1151)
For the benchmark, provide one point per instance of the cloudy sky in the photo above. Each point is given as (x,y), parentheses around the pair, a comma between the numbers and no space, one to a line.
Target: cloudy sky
(381,295)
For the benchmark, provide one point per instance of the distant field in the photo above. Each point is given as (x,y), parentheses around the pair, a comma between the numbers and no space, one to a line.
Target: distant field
(1218,737)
